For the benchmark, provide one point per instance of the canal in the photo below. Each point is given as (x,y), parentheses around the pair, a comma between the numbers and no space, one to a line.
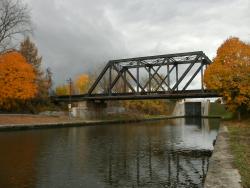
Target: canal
(169,153)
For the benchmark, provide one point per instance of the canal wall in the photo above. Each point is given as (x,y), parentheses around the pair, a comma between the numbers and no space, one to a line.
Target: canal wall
(221,172)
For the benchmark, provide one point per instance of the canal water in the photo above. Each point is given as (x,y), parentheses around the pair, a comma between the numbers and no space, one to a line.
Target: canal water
(173,153)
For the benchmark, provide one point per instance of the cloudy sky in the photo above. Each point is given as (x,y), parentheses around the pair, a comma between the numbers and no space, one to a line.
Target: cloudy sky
(77,36)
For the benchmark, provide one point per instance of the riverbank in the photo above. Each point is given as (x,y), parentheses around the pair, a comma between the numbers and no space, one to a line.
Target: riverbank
(24,121)
(11,119)
(221,172)
(230,162)
(239,137)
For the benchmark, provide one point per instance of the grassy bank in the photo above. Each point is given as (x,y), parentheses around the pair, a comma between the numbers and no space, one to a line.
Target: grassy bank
(240,145)
(219,110)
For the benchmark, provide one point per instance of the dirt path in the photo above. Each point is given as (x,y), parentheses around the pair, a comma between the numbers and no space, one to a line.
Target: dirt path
(31,119)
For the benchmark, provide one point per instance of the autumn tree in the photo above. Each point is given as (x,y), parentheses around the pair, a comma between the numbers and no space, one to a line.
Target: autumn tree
(48,78)
(17,80)
(29,50)
(82,83)
(229,74)
(62,90)
(14,20)
(148,106)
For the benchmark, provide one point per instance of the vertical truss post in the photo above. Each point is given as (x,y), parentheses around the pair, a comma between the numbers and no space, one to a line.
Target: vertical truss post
(137,78)
(124,82)
(110,80)
(202,86)
(168,81)
(132,76)
(176,75)
(150,77)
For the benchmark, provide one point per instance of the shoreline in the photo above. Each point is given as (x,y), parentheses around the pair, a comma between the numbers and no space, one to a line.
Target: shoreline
(79,123)
(221,171)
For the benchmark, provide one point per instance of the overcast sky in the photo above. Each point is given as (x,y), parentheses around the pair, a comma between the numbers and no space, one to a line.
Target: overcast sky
(75,36)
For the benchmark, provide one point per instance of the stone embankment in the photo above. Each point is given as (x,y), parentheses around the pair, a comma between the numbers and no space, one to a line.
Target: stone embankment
(221,172)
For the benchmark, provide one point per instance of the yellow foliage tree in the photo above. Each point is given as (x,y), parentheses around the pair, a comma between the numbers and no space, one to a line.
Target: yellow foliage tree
(17,80)
(230,74)
(62,90)
(82,83)
(148,106)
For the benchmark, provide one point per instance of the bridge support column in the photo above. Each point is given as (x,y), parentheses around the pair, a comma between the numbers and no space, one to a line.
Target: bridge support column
(90,110)
(96,109)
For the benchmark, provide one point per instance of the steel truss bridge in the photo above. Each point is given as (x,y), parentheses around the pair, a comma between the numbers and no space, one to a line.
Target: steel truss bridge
(170,76)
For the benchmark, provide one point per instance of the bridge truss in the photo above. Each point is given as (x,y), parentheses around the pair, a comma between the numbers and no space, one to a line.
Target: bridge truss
(151,77)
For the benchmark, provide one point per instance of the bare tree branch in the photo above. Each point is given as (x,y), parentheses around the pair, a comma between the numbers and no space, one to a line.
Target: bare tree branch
(14,20)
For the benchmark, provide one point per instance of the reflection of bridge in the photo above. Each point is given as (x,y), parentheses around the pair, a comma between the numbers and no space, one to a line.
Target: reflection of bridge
(174,168)
(154,77)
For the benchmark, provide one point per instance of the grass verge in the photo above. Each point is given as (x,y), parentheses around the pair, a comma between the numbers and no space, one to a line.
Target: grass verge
(220,110)
(239,133)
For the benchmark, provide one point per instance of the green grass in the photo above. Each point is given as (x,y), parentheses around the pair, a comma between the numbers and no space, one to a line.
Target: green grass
(240,144)
(217,109)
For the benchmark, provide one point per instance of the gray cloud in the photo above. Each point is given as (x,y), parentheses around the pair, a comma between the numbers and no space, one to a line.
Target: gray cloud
(76,36)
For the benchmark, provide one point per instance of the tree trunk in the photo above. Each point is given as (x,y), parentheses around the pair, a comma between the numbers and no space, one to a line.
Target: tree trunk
(239,115)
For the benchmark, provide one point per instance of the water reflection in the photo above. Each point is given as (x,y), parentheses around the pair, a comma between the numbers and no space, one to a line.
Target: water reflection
(152,154)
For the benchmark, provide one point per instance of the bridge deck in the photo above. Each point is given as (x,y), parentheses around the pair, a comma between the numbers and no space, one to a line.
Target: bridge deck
(138,96)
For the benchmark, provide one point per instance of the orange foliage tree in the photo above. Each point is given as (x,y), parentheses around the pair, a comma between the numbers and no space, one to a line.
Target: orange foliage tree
(82,83)
(17,80)
(229,74)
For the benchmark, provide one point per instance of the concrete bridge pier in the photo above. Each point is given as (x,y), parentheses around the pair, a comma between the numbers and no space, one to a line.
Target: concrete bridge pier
(89,109)
(96,109)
